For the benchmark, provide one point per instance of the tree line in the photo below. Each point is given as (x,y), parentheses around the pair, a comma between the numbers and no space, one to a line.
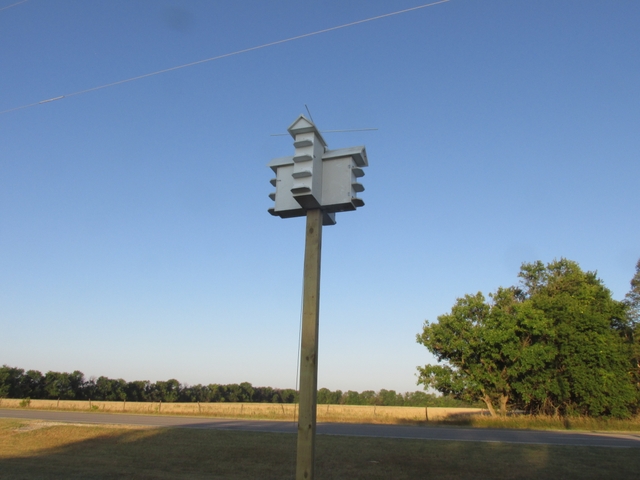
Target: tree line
(16,383)
(556,344)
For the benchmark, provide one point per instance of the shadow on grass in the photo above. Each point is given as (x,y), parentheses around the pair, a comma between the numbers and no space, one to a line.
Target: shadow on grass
(56,452)
(101,453)
(528,422)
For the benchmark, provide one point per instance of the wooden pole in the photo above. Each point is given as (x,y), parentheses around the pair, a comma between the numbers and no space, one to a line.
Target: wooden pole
(309,347)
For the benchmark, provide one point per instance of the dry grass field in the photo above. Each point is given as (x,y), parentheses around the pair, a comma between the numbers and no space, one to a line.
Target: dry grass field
(34,449)
(266,411)
(471,417)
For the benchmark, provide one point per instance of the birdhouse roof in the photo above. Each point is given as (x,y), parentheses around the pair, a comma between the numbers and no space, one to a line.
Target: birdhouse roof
(359,155)
(303,125)
(279,162)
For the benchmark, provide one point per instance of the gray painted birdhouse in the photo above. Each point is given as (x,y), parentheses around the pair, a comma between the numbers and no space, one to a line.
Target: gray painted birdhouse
(315,177)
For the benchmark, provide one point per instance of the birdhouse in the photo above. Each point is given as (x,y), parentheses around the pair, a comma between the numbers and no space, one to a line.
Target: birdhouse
(315,177)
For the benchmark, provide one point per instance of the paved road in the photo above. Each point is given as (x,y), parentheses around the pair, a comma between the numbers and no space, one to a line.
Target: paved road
(593,439)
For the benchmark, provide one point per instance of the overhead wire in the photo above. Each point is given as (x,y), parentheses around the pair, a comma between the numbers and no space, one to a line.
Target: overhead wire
(349,130)
(218,57)
(13,5)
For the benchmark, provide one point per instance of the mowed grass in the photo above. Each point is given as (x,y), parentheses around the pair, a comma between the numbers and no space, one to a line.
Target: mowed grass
(32,449)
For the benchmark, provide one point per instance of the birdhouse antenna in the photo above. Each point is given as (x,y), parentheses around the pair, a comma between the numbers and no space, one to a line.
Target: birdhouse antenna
(305,106)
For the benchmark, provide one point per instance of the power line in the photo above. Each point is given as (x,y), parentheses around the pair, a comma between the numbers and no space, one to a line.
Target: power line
(331,131)
(218,57)
(13,5)
(349,130)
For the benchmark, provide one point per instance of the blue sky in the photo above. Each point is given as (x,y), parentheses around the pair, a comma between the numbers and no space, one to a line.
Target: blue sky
(134,235)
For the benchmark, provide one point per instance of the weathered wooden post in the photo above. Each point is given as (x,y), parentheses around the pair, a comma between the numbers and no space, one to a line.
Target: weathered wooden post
(315,182)
(309,346)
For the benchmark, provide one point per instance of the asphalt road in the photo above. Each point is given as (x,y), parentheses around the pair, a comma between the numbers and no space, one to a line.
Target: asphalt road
(588,439)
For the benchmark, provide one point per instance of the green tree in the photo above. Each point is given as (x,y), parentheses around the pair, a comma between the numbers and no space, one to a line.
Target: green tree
(195,393)
(591,367)
(138,390)
(109,389)
(327,397)
(367,397)
(77,384)
(418,399)
(632,300)
(265,395)
(62,385)
(389,398)
(247,392)
(479,341)
(217,393)
(168,391)
(351,397)
(550,345)
(32,384)
(10,381)
(289,395)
